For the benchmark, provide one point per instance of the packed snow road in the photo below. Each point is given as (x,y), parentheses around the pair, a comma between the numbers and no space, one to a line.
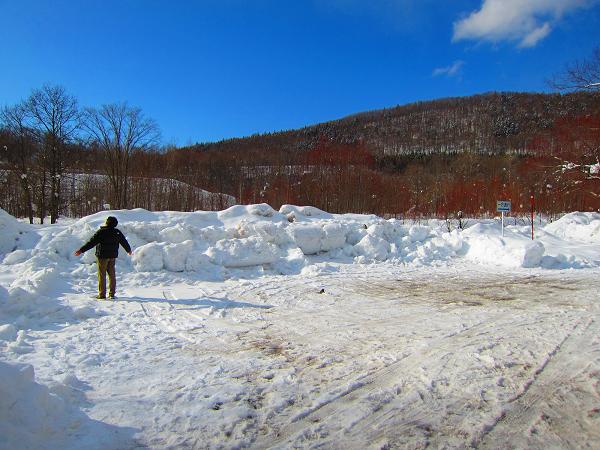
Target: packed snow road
(373,356)
(297,328)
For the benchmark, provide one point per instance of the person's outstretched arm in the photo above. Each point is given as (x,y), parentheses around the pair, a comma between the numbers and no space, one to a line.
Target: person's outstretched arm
(89,244)
(124,243)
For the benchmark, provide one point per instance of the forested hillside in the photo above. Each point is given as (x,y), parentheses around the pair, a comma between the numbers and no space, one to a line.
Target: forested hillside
(427,158)
(434,158)
(488,123)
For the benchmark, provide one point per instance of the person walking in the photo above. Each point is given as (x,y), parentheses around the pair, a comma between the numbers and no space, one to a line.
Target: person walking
(106,240)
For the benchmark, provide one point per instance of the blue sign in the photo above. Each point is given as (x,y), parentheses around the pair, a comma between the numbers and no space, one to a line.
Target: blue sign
(503,206)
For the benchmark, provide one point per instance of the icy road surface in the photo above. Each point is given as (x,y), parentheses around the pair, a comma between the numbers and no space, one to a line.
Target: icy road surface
(361,357)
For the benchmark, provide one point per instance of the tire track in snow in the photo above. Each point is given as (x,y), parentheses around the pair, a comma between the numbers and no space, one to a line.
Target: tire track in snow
(352,406)
(557,373)
(416,396)
(344,403)
(159,316)
(415,414)
(226,325)
(195,327)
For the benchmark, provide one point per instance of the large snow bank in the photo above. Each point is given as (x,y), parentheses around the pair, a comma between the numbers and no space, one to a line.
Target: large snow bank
(577,226)
(284,241)
(33,417)
(14,235)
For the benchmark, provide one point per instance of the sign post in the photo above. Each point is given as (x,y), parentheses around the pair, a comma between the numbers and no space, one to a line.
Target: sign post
(503,206)
(532,200)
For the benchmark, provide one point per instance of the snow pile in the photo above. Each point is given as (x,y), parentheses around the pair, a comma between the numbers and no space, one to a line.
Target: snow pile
(577,226)
(486,245)
(30,301)
(285,241)
(14,234)
(31,416)
(27,309)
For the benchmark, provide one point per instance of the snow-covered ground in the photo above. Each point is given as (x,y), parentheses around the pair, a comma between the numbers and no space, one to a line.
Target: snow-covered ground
(297,328)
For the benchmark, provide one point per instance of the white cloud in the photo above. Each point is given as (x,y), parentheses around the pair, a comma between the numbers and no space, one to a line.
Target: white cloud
(524,21)
(536,35)
(450,71)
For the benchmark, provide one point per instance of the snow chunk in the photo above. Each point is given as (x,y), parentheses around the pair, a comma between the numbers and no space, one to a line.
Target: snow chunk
(17,257)
(562,261)
(148,258)
(212,234)
(39,280)
(303,212)
(334,236)
(261,210)
(275,233)
(308,237)
(355,235)
(418,233)
(8,332)
(320,236)
(175,255)
(291,264)
(64,243)
(176,234)
(373,247)
(251,251)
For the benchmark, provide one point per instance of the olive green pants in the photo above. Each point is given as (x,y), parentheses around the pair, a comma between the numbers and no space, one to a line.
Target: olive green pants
(106,265)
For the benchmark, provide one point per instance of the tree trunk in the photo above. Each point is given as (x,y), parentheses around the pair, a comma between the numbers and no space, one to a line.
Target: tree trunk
(27,198)
(43,197)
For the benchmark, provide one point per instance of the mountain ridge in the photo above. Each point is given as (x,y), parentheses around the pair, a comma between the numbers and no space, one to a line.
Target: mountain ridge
(491,122)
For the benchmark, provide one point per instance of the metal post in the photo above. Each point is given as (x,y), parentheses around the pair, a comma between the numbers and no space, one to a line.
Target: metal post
(502,223)
(532,205)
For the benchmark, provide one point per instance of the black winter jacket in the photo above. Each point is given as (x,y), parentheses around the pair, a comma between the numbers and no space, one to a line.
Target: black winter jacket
(106,240)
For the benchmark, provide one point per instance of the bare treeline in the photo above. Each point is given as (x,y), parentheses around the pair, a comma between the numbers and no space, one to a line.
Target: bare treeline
(431,159)
(59,159)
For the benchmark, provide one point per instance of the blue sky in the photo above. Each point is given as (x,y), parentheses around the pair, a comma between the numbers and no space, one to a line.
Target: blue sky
(214,69)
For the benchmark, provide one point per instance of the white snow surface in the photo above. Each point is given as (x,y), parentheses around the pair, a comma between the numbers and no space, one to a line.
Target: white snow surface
(251,327)
(15,235)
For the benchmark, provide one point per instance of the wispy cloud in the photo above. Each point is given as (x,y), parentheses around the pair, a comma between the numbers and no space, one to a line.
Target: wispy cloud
(453,70)
(526,22)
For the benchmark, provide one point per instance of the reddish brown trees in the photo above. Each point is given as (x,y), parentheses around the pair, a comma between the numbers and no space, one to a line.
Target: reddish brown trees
(571,152)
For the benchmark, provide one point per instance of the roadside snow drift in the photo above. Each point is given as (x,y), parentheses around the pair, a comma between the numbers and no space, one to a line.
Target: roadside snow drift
(583,227)
(33,417)
(487,245)
(284,241)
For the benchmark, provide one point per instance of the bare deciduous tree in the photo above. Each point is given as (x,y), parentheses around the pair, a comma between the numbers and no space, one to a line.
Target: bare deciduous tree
(55,119)
(580,75)
(14,119)
(119,130)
